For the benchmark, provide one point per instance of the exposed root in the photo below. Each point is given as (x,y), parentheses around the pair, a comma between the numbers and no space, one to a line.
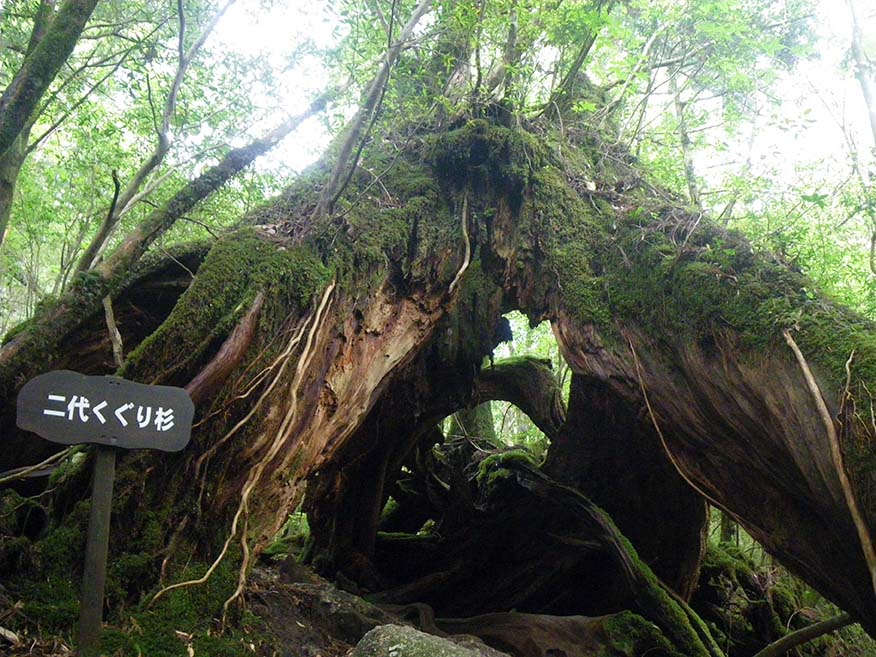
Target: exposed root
(282,360)
(846,394)
(467,259)
(22,473)
(255,382)
(256,473)
(837,455)
(241,575)
(804,635)
(171,547)
(282,436)
(200,580)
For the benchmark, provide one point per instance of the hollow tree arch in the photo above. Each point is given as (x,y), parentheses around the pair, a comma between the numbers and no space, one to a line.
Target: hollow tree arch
(346,496)
(675,316)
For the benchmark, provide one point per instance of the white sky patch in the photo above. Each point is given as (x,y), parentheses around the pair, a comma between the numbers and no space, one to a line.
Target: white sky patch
(289,37)
(819,105)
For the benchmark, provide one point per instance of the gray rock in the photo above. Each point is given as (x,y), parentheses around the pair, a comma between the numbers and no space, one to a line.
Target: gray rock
(403,641)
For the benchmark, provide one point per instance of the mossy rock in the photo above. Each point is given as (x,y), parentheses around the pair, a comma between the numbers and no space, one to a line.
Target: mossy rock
(403,641)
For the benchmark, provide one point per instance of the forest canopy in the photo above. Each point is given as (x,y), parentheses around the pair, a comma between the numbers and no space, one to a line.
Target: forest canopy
(317,220)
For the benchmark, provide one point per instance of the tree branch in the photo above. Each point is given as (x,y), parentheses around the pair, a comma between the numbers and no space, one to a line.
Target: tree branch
(162,128)
(25,355)
(365,116)
(39,68)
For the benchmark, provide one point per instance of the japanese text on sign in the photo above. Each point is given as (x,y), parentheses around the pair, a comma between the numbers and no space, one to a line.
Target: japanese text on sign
(79,406)
(70,408)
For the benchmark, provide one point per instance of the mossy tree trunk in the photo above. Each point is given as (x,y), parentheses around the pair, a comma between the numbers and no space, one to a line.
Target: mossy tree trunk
(674,324)
(476,422)
(609,450)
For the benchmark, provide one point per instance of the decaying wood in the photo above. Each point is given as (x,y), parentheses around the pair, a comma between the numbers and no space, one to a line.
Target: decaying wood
(115,335)
(728,418)
(143,303)
(229,355)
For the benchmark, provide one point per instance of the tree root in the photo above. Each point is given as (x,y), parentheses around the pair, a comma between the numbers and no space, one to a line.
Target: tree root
(22,473)
(801,636)
(256,473)
(467,259)
(209,379)
(836,452)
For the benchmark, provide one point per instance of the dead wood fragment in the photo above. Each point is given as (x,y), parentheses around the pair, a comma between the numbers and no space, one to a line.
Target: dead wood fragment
(115,335)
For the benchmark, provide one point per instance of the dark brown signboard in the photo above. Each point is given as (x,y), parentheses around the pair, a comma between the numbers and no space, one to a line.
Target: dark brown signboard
(71,408)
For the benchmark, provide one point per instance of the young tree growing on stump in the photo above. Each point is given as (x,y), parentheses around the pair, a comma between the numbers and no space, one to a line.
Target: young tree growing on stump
(326,335)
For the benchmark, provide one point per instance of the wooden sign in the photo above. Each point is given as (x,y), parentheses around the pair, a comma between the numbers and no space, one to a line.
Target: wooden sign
(70,408)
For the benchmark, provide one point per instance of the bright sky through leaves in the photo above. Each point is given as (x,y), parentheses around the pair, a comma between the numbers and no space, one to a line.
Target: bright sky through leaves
(817,98)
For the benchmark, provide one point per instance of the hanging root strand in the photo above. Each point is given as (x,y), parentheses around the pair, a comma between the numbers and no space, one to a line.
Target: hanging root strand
(864,536)
(467,259)
(255,475)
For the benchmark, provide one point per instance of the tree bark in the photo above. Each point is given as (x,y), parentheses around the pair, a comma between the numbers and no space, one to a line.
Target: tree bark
(12,158)
(476,422)
(674,336)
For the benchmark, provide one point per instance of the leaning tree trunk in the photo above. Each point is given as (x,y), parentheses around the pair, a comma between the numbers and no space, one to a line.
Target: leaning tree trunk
(300,328)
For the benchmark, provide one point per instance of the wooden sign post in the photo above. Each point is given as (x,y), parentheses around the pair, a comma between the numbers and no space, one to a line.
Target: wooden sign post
(70,408)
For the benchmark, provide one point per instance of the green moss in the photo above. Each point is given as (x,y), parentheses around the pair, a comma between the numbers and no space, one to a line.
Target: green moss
(495,467)
(291,538)
(17,330)
(631,635)
(49,587)
(159,630)
(69,468)
(485,157)
(394,229)
(725,558)
(236,269)
(49,590)
(569,230)
(216,646)
(115,643)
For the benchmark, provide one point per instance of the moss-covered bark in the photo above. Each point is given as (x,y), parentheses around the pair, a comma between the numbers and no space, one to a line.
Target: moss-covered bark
(676,319)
